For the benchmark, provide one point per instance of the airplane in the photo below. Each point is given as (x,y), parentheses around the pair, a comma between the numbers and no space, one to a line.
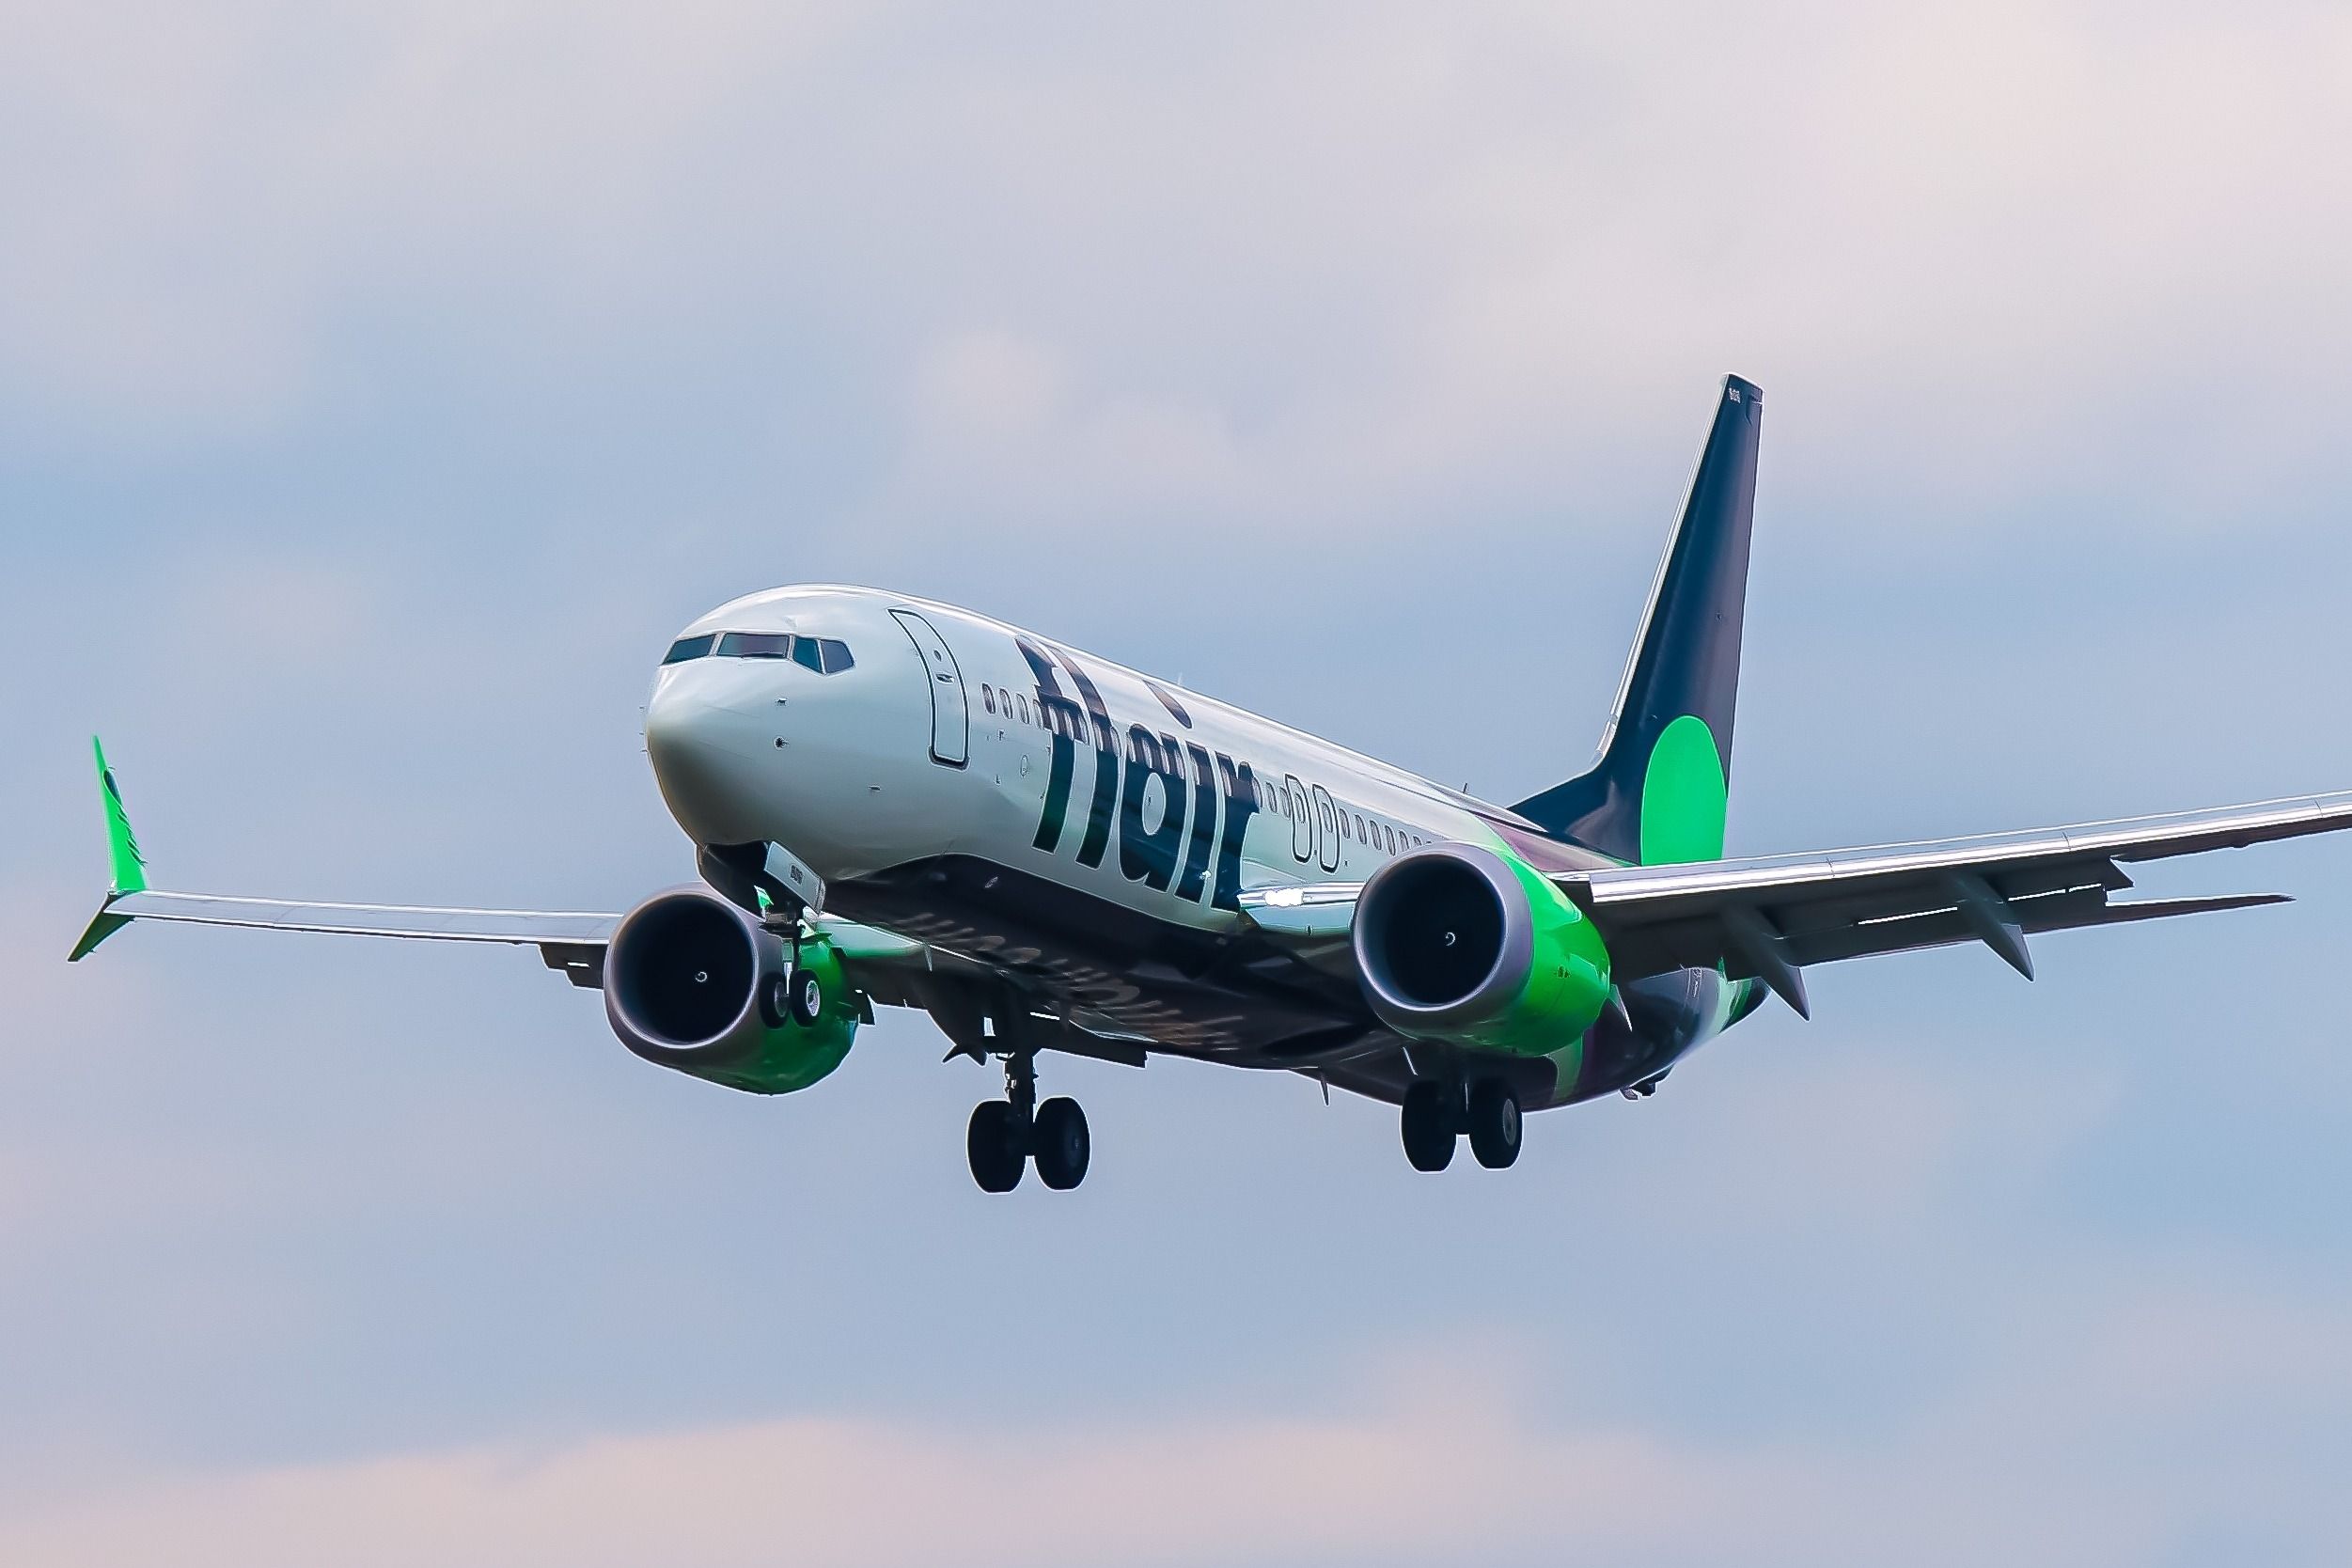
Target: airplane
(897,801)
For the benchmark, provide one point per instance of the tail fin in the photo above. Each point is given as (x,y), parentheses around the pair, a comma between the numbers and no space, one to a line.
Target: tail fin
(1656,793)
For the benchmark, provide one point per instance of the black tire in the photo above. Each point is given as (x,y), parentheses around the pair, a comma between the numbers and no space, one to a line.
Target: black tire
(776,1001)
(806,997)
(1493,1123)
(1427,1120)
(1062,1147)
(991,1144)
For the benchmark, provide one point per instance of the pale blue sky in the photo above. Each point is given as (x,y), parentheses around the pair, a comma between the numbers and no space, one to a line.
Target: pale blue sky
(379,392)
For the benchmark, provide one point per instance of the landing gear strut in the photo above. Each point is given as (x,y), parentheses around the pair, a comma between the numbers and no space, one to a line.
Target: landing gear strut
(1005,1135)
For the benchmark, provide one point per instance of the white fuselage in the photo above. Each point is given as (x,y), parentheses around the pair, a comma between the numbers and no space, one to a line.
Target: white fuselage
(1077,828)
(941,740)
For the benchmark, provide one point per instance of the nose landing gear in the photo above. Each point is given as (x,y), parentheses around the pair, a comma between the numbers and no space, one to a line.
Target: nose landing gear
(1006,1135)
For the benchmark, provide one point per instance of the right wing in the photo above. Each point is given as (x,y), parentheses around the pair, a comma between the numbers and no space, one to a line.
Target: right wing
(570,941)
(1770,917)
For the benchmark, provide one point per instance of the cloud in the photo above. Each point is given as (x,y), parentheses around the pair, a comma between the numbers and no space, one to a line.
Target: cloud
(864,1493)
(1340,265)
(389,383)
(1449,1461)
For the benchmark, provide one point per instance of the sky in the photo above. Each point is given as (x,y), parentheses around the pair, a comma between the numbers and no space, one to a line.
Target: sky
(382,387)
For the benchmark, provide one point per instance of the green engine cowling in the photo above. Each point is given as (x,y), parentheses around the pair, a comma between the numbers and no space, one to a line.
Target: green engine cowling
(693,982)
(1470,946)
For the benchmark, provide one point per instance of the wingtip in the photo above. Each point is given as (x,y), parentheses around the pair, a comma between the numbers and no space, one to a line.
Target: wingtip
(128,863)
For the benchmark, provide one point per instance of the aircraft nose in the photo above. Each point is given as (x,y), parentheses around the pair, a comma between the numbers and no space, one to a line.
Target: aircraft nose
(705,758)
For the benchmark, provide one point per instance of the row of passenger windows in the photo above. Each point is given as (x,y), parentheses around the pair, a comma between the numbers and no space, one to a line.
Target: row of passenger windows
(1274,800)
(826,656)
(1369,831)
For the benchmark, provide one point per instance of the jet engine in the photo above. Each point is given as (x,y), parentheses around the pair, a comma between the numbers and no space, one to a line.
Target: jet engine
(1460,943)
(694,982)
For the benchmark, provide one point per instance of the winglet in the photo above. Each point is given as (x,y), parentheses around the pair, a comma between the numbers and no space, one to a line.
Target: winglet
(130,866)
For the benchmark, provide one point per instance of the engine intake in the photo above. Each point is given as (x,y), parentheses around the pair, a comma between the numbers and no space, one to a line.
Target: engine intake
(686,980)
(1455,942)
(1438,930)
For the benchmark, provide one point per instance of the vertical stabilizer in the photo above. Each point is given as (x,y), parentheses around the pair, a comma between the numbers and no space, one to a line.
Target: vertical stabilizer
(1656,795)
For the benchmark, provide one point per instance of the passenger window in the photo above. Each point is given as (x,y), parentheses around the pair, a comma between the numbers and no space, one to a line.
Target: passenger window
(1022,704)
(688,648)
(756,645)
(988,696)
(837,655)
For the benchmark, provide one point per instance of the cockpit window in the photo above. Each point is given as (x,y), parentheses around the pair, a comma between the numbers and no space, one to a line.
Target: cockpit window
(756,645)
(824,655)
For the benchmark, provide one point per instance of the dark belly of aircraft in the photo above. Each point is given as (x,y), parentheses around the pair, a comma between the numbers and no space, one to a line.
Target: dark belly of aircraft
(1116,971)
(1237,999)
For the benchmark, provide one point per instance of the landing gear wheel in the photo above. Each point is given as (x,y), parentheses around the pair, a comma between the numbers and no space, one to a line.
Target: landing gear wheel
(807,997)
(993,1142)
(1428,1125)
(1493,1123)
(1062,1145)
(776,1001)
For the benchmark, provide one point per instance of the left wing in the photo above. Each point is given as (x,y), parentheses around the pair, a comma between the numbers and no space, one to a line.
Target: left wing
(1772,917)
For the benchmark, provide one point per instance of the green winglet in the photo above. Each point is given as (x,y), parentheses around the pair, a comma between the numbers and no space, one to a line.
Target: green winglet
(130,866)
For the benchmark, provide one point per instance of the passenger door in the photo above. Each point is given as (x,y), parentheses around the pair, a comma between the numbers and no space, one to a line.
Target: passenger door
(950,714)
(1326,828)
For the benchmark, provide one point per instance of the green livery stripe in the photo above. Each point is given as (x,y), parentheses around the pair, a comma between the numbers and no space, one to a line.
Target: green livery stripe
(1683,797)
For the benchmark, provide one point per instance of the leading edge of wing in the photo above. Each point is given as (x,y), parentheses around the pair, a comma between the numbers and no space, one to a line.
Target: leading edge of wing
(2130,839)
(418,922)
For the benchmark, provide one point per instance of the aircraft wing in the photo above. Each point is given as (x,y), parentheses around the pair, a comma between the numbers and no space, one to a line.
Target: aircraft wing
(1770,917)
(572,941)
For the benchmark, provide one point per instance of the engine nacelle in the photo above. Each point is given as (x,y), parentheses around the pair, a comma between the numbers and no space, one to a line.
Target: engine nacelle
(688,980)
(1459,943)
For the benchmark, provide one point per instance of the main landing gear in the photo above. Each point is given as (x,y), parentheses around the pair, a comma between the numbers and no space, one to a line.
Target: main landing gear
(1007,1136)
(1437,1110)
